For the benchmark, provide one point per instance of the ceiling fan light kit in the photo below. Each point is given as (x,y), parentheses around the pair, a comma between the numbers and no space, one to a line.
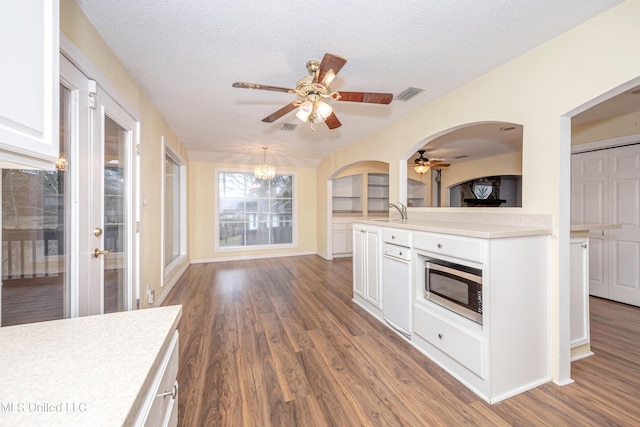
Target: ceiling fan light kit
(264,171)
(313,88)
(421,169)
(422,165)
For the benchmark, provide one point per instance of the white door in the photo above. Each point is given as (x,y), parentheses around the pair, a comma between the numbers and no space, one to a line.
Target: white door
(624,243)
(588,204)
(113,194)
(606,188)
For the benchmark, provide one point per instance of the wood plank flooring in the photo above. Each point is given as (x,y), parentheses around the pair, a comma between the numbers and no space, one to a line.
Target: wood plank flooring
(278,342)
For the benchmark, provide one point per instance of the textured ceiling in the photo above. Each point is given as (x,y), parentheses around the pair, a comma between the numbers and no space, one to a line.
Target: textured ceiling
(186,55)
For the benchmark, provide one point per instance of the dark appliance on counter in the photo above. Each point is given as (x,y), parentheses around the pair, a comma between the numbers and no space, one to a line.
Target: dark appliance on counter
(455,287)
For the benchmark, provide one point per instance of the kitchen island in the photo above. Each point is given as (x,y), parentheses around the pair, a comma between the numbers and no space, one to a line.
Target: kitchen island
(501,350)
(100,370)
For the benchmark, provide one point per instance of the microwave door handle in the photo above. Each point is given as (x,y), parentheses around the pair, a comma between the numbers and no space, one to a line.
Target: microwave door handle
(453,272)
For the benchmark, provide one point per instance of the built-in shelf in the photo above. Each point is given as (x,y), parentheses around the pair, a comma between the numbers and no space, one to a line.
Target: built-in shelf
(347,196)
(416,193)
(377,193)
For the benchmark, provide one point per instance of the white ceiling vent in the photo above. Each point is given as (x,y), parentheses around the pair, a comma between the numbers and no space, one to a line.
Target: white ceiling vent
(408,93)
(289,127)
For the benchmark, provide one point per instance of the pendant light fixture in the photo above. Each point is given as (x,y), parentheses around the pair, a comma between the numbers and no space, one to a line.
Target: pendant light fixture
(264,171)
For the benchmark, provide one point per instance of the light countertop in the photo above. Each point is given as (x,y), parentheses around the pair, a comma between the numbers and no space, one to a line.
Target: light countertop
(588,226)
(82,371)
(486,231)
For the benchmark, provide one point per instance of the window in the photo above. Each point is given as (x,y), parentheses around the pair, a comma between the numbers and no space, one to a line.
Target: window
(174,209)
(254,212)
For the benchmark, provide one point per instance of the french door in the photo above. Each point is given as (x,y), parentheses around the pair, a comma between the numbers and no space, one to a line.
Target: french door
(112,219)
(69,241)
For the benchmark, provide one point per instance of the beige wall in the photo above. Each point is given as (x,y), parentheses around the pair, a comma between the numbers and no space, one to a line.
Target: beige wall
(625,125)
(75,25)
(202,208)
(534,90)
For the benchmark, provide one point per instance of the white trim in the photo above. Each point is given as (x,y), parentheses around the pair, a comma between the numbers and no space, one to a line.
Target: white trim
(329,229)
(251,257)
(169,270)
(605,143)
(82,63)
(168,285)
(564,229)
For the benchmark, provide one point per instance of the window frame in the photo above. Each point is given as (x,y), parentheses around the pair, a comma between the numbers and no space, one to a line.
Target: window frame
(216,213)
(170,268)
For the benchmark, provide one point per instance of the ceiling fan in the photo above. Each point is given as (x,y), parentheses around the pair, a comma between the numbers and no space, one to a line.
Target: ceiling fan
(422,164)
(314,89)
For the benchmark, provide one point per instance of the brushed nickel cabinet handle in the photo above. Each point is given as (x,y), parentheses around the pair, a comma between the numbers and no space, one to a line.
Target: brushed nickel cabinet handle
(173,392)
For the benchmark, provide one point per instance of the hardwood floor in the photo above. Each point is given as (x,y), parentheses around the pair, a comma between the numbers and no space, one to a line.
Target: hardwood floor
(278,342)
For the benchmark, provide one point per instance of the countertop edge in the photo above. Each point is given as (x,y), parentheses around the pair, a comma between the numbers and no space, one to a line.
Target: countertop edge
(140,398)
(485,231)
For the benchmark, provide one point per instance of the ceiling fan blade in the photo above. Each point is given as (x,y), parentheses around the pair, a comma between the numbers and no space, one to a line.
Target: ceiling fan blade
(329,62)
(261,87)
(370,97)
(332,121)
(281,112)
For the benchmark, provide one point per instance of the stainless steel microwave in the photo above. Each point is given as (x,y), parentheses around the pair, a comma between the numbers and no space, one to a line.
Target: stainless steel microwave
(455,287)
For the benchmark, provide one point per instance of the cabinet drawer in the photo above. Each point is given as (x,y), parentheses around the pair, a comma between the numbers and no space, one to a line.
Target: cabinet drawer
(397,236)
(464,346)
(455,246)
(164,390)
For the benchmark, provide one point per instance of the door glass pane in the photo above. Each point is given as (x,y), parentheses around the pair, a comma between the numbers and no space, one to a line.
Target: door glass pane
(34,219)
(115,216)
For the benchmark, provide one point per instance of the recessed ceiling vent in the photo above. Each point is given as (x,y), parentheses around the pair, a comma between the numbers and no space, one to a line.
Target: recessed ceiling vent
(289,127)
(408,93)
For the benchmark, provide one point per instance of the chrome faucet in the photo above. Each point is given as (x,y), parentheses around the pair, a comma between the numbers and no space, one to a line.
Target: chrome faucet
(402,209)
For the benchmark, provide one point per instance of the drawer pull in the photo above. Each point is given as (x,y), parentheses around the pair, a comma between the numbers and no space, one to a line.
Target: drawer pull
(440,336)
(173,393)
(393,237)
(439,245)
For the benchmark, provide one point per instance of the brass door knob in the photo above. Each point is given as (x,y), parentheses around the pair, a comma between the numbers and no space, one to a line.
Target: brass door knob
(97,252)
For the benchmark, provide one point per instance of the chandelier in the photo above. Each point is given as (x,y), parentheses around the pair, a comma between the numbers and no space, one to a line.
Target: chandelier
(264,171)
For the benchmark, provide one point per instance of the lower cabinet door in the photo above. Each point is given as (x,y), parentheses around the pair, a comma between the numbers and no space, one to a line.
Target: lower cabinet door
(163,395)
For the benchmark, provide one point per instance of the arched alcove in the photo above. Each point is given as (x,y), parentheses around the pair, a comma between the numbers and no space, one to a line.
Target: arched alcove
(464,153)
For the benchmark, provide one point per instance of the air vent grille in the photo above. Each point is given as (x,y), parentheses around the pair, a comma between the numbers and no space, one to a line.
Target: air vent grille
(289,127)
(408,93)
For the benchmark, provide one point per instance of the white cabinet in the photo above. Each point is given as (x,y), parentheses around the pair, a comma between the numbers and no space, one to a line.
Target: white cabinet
(160,407)
(508,352)
(367,268)
(579,299)
(342,238)
(459,338)
(29,83)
